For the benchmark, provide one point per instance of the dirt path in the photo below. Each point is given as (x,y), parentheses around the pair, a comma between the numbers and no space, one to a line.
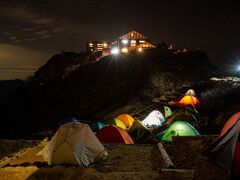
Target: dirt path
(124,162)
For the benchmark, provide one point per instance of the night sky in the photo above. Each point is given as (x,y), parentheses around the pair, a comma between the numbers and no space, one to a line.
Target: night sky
(32,31)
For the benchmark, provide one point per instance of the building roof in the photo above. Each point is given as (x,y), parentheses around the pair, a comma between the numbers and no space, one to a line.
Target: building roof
(133,35)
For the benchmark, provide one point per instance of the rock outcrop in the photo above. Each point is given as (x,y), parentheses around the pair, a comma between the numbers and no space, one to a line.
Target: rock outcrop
(70,85)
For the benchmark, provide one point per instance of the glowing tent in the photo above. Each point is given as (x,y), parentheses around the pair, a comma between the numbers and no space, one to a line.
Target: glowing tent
(74,143)
(166,111)
(117,122)
(155,118)
(126,119)
(186,100)
(177,128)
(226,149)
(189,98)
(114,134)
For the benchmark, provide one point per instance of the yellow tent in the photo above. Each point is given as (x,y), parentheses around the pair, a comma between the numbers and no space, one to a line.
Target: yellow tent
(116,122)
(126,119)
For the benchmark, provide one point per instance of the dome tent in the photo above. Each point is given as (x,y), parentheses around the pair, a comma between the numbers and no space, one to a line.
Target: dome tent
(189,110)
(189,98)
(155,118)
(138,130)
(225,151)
(96,126)
(186,100)
(126,119)
(114,134)
(74,143)
(117,122)
(165,110)
(177,128)
(190,92)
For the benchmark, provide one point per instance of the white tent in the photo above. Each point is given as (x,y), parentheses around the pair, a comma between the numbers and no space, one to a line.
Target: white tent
(155,118)
(190,92)
(74,143)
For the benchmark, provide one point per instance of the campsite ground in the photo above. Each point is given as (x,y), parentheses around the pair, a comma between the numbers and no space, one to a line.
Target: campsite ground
(139,161)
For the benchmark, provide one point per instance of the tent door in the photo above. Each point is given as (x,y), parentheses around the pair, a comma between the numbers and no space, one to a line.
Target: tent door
(63,155)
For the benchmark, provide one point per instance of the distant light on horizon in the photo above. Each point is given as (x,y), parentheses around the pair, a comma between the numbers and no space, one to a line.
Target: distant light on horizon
(238,67)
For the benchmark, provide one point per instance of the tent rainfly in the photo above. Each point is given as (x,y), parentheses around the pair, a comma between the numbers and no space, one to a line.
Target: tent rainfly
(126,119)
(74,143)
(225,151)
(155,118)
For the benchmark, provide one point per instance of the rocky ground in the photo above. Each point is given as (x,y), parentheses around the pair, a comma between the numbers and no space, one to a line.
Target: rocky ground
(139,161)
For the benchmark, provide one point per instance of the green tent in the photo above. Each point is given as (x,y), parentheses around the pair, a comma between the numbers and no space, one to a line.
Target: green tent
(177,128)
(138,130)
(166,111)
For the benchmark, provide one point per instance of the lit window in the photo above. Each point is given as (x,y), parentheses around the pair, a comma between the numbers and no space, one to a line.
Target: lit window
(140,49)
(141,41)
(125,41)
(132,34)
(90,45)
(125,50)
(133,41)
(105,45)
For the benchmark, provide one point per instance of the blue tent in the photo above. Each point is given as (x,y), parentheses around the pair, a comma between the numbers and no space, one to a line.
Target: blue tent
(96,126)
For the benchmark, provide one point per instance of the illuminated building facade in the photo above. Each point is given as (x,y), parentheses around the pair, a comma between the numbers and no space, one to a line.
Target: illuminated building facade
(132,41)
(124,44)
(96,46)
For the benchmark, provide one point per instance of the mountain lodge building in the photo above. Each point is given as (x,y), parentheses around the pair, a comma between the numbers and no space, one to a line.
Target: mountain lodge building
(128,42)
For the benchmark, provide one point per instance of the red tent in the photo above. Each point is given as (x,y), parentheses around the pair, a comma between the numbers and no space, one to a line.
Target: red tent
(226,149)
(114,134)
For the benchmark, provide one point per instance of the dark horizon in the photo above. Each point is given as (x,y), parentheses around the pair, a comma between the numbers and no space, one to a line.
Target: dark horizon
(31,32)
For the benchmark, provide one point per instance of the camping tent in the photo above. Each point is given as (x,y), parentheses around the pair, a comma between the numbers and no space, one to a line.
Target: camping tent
(185,117)
(189,110)
(96,126)
(116,122)
(126,119)
(190,92)
(138,130)
(177,128)
(226,149)
(188,99)
(74,143)
(155,118)
(166,111)
(114,134)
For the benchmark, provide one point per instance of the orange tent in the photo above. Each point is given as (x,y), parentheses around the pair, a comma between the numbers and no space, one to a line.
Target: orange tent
(230,123)
(188,99)
(114,134)
(126,119)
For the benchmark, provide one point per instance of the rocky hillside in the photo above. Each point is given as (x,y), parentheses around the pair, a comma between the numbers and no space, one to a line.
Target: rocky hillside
(71,84)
